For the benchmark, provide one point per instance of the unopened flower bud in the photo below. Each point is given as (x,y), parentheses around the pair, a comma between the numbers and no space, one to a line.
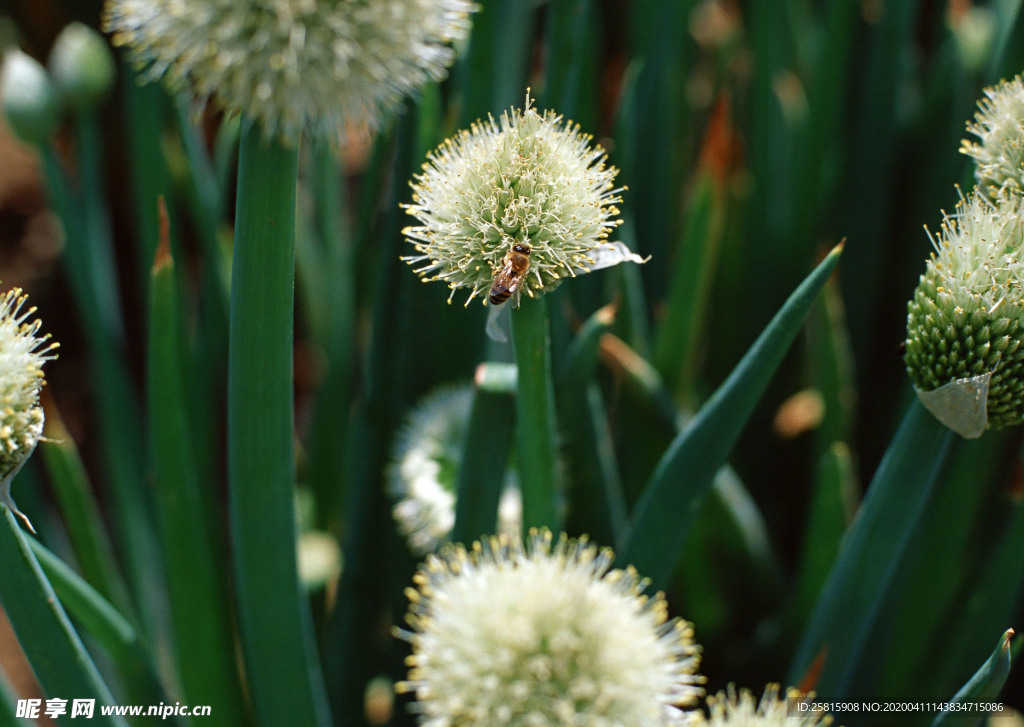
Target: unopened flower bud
(29,98)
(82,66)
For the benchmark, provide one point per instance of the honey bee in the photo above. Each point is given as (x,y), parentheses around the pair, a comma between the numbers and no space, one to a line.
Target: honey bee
(513,271)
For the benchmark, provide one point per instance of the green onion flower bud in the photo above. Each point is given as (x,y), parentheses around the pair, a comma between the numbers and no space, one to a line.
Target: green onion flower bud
(514,208)
(974,28)
(22,354)
(544,634)
(999,152)
(29,99)
(293,65)
(82,66)
(965,322)
(727,709)
(425,463)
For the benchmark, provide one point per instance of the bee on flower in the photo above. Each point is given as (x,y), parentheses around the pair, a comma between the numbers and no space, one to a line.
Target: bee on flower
(514,207)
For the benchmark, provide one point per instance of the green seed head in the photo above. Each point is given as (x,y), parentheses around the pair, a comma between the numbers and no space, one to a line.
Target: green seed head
(966,317)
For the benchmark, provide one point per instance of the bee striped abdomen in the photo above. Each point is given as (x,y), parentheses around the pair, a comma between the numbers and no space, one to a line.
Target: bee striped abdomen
(513,270)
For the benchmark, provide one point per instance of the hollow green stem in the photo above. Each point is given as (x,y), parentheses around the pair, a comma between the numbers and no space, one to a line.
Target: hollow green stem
(487,442)
(99,253)
(275,624)
(535,415)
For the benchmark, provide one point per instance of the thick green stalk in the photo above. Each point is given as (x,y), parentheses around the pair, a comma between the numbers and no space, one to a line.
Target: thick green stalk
(486,444)
(275,624)
(99,253)
(535,415)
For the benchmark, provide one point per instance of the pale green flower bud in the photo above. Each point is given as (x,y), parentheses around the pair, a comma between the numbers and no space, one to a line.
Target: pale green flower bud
(82,66)
(974,30)
(425,463)
(22,354)
(29,99)
(319,559)
(545,634)
(293,65)
(512,209)
(965,322)
(999,152)
(729,709)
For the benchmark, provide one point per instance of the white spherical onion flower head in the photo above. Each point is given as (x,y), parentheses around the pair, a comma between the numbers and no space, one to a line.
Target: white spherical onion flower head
(293,65)
(544,634)
(999,152)
(727,709)
(425,463)
(530,185)
(22,355)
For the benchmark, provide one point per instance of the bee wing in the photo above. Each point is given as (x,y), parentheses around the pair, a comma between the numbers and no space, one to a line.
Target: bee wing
(498,323)
(513,281)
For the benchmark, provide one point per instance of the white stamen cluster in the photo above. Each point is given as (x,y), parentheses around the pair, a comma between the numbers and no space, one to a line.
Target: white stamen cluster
(999,152)
(530,180)
(22,355)
(544,634)
(423,475)
(727,709)
(293,65)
